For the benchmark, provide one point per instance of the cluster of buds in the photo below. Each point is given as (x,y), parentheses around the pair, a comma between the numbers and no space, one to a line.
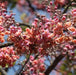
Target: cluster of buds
(7,56)
(35,66)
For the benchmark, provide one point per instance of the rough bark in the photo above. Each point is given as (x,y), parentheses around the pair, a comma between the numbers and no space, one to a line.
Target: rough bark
(52,66)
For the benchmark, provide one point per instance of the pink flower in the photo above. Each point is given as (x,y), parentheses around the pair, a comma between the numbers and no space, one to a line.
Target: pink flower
(61,2)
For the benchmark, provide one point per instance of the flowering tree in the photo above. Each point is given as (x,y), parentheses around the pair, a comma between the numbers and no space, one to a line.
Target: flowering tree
(44,40)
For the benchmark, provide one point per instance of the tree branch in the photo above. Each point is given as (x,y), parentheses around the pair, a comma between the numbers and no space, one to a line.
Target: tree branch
(2,72)
(56,61)
(6,44)
(30,5)
(69,4)
(33,9)
(23,67)
(25,24)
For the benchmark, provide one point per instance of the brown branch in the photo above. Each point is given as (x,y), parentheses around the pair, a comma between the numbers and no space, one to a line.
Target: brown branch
(51,67)
(25,24)
(33,9)
(6,44)
(69,4)
(23,67)
(30,5)
(2,72)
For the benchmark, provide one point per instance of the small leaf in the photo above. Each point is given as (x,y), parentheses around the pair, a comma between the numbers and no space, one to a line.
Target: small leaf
(69,73)
(13,5)
(63,68)
(23,16)
(6,66)
(0,66)
(14,63)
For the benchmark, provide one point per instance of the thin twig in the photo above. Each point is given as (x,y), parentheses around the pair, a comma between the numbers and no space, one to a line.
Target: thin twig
(69,4)
(21,70)
(6,44)
(25,24)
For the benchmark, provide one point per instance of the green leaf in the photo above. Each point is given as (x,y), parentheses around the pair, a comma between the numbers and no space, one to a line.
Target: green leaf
(23,27)
(0,66)
(14,63)
(6,66)
(13,5)
(54,25)
(63,68)
(69,73)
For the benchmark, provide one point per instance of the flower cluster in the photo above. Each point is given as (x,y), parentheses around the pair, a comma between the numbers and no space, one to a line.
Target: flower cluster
(74,15)
(5,21)
(1,34)
(52,37)
(35,66)
(45,36)
(7,56)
